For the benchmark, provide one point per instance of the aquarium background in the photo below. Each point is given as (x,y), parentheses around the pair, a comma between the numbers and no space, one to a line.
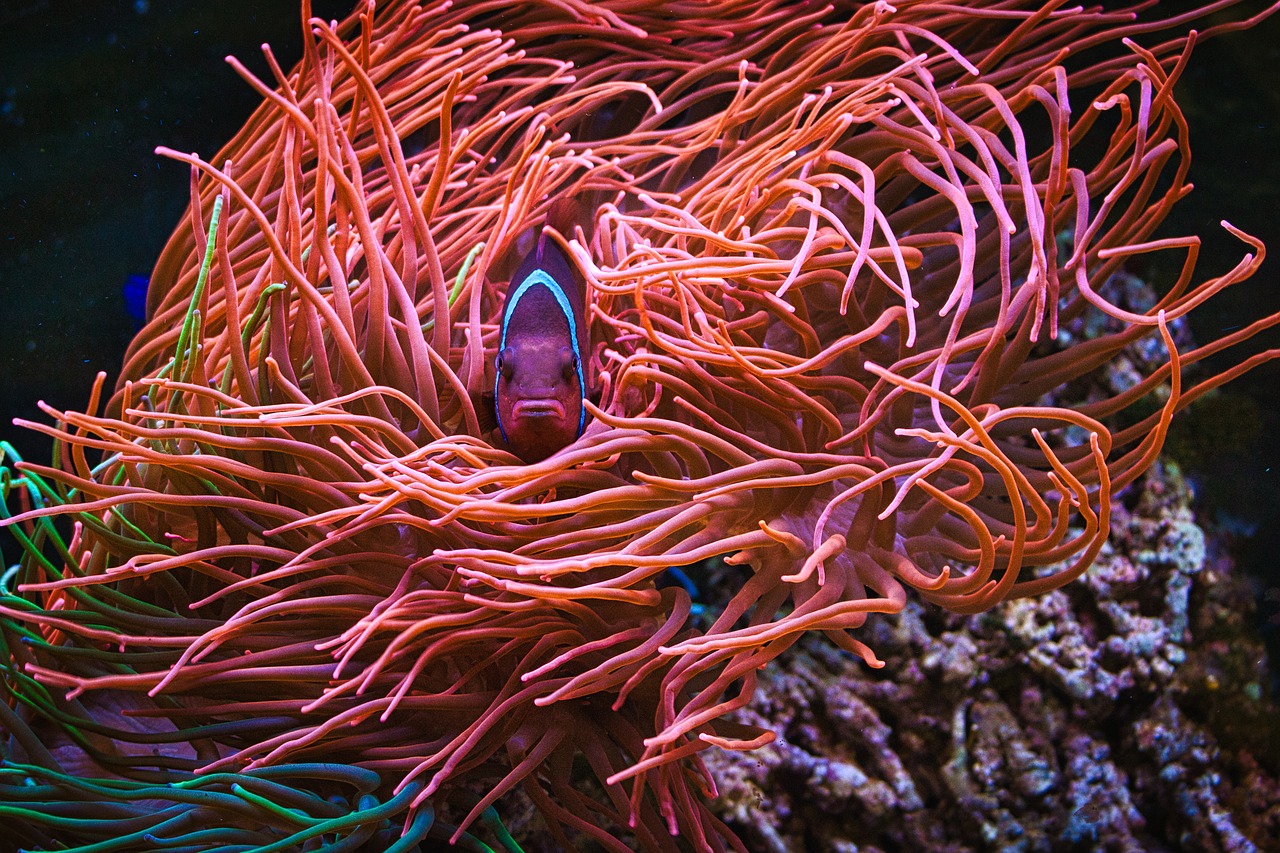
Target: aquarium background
(88,89)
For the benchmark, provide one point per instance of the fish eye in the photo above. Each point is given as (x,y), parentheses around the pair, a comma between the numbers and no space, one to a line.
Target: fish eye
(505,362)
(568,362)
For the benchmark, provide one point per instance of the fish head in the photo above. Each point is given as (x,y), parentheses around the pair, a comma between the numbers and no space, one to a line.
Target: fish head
(539,396)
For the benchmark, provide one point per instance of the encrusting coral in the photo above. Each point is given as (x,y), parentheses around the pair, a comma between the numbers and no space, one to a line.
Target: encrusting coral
(1106,715)
(829,251)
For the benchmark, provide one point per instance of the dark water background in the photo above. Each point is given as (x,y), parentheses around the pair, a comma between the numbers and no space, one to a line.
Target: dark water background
(88,89)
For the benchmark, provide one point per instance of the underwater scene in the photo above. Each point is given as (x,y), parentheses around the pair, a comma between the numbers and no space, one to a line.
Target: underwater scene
(551,425)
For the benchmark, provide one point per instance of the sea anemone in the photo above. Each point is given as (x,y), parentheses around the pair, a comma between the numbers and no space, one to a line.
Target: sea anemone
(842,264)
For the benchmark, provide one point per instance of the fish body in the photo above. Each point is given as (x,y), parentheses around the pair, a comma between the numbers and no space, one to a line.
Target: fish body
(539,383)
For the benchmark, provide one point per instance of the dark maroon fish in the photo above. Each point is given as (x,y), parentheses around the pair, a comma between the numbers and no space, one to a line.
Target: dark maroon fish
(540,385)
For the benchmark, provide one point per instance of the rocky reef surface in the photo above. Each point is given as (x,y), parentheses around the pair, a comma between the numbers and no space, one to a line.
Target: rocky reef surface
(1128,711)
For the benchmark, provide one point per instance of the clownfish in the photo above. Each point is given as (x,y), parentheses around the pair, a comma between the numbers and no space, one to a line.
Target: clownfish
(539,383)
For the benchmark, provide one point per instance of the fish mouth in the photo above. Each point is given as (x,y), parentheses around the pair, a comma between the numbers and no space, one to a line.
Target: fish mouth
(543,408)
